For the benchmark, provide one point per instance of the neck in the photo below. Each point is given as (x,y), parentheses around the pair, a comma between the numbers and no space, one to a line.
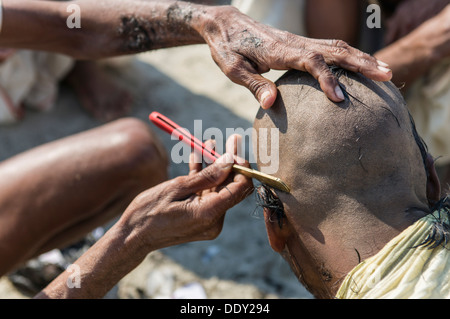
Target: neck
(321,255)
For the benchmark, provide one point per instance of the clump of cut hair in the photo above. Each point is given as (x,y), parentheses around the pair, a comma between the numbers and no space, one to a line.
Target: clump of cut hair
(268,199)
(440,230)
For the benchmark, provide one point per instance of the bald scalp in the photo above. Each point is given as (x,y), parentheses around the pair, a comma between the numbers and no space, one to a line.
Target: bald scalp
(363,143)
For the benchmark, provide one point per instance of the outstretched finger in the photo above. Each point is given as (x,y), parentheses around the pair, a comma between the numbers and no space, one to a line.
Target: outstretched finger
(195,162)
(345,56)
(207,178)
(234,146)
(315,64)
(196,158)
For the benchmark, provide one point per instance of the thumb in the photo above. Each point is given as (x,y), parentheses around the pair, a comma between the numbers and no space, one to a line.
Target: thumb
(246,74)
(210,177)
(264,90)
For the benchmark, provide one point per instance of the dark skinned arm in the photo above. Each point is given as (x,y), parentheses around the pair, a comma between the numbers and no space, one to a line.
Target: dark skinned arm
(241,47)
(413,52)
(188,208)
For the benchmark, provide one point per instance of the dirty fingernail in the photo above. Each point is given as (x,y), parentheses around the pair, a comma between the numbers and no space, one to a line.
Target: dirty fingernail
(383,69)
(383,63)
(264,98)
(339,93)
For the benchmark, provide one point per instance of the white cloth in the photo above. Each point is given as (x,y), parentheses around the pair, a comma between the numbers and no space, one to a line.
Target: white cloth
(429,102)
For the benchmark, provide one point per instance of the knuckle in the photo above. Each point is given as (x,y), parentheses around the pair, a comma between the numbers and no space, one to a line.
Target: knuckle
(255,86)
(209,175)
(314,56)
(233,67)
(326,76)
(368,59)
(180,181)
(177,185)
(314,63)
(339,48)
(365,62)
(340,44)
(339,51)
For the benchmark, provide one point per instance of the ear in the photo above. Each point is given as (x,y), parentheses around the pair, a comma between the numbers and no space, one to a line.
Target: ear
(433,184)
(277,235)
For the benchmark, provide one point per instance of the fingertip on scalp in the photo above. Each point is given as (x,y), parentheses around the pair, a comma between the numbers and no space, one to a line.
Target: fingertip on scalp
(382,74)
(339,94)
(266,100)
(333,92)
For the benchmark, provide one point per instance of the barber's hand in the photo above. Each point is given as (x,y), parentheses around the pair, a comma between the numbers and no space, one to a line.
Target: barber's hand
(244,49)
(188,208)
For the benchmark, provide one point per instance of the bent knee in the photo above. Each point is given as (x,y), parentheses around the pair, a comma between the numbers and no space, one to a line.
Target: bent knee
(140,149)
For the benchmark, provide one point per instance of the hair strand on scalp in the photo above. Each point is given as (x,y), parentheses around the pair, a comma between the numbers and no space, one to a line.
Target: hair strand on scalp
(338,72)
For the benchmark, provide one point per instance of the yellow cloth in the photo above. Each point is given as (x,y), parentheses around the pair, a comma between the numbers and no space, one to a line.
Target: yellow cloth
(401,270)
(429,102)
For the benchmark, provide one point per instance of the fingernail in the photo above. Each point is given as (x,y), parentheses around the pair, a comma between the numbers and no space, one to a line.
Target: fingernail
(264,97)
(339,93)
(383,69)
(383,64)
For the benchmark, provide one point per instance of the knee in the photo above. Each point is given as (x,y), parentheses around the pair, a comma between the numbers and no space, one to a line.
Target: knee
(142,154)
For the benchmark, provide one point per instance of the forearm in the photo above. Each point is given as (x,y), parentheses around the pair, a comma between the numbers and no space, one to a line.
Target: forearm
(171,213)
(100,268)
(407,60)
(108,28)
(415,54)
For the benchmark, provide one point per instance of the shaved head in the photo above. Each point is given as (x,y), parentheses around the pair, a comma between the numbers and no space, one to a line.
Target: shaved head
(366,142)
(358,173)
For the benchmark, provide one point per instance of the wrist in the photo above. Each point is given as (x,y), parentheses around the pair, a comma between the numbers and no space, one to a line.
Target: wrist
(208,17)
(134,242)
(186,18)
(98,269)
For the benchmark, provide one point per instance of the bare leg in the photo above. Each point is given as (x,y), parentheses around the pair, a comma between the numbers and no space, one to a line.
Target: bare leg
(54,194)
(98,94)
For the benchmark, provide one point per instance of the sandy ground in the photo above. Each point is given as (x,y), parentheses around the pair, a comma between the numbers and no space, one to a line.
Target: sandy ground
(184,84)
